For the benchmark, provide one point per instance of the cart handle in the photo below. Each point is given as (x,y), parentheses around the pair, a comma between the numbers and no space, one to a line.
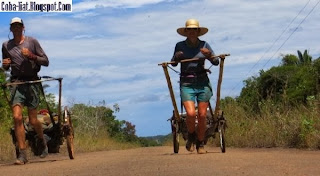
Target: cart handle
(46,78)
(192,59)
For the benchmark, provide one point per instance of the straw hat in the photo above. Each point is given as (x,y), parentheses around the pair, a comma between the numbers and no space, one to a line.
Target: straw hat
(192,23)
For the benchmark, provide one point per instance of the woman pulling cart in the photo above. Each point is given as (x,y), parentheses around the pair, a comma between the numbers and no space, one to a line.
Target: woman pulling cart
(195,85)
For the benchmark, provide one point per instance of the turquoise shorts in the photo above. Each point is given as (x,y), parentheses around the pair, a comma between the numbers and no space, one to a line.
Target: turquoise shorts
(25,95)
(193,92)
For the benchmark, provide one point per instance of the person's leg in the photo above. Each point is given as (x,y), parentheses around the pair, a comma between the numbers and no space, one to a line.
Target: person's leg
(33,120)
(191,115)
(32,103)
(190,121)
(32,113)
(20,134)
(188,99)
(202,120)
(202,126)
(18,127)
(203,98)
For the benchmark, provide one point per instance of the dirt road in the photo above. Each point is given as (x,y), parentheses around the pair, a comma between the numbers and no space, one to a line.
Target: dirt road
(161,161)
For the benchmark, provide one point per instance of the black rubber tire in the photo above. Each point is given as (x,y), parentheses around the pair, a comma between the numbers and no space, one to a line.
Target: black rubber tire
(221,129)
(175,137)
(70,146)
(53,148)
(68,132)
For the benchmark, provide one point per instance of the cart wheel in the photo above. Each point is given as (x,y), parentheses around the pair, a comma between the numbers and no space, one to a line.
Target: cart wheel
(68,132)
(221,130)
(70,146)
(53,146)
(175,136)
(222,138)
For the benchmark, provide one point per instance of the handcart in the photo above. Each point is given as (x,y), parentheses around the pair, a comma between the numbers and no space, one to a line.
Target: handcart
(57,127)
(216,122)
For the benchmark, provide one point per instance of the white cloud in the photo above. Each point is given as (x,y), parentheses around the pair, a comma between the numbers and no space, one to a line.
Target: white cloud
(92,5)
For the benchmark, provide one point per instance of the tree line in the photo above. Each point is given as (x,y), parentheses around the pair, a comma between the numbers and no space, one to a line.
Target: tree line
(92,120)
(293,83)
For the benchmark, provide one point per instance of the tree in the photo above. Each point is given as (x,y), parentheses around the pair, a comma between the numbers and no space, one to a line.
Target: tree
(316,68)
(92,119)
(296,79)
(290,59)
(304,59)
(116,107)
(5,111)
(249,97)
(129,131)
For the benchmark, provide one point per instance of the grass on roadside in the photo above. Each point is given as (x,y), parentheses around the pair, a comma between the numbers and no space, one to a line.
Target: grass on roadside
(82,143)
(274,127)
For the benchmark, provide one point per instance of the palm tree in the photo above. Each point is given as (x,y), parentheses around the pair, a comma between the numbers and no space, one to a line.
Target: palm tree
(304,59)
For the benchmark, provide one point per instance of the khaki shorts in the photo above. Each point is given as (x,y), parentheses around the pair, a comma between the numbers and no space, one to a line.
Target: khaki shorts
(26,95)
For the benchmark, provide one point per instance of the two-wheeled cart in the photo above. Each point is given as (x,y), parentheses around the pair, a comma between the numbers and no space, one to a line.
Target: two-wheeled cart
(57,127)
(216,122)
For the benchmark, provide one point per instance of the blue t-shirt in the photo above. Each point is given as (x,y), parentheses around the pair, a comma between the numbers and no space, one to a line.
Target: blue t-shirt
(192,68)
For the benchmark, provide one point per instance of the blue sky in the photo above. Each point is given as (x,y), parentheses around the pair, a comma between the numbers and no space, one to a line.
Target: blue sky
(110,49)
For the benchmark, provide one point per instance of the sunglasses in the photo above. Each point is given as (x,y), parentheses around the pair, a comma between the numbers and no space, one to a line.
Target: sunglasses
(16,25)
(194,29)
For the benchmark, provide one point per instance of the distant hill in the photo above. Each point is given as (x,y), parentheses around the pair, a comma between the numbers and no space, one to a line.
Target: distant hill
(159,139)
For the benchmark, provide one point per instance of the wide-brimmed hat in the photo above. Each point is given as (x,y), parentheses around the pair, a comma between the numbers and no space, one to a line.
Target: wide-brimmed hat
(16,20)
(192,23)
